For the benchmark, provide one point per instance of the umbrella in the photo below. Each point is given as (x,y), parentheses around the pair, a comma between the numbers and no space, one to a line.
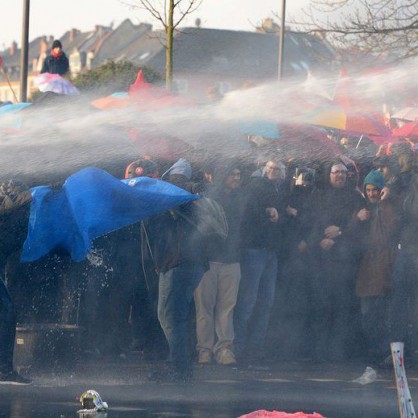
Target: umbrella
(263,128)
(409,130)
(55,84)
(9,117)
(301,141)
(142,96)
(407,113)
(357,123)
(13,108)
(118,100)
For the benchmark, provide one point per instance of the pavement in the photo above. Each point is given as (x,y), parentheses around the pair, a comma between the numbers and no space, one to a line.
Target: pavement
(215,391)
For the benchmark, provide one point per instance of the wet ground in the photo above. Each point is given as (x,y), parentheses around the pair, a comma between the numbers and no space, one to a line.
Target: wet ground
(215,391)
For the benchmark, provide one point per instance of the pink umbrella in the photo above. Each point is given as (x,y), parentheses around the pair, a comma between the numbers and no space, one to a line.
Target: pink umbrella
(409,130)
(55,84)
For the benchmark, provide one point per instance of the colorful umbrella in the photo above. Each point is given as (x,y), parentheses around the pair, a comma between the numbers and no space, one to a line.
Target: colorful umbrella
(358,123)
(55,84)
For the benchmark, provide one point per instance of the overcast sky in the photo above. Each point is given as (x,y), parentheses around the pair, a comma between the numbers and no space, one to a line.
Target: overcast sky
(55,17)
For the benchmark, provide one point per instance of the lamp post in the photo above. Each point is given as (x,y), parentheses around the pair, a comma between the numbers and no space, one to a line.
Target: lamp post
(281,40)
(24,52)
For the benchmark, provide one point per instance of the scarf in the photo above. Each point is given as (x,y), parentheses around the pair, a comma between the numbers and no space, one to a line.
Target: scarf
(56,54)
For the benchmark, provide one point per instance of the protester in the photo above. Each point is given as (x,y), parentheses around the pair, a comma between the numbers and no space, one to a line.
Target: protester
(404,301)
(378,234)
(134,285)
(14,213)
(334,267)
(260,239)
(289,334)
(179,254)
(56,62)
(216,295)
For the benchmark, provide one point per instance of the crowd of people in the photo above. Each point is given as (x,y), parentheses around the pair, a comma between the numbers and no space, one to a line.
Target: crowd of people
(280,258)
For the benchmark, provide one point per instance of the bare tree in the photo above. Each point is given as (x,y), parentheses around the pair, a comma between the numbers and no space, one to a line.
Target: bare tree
(170,13)
(387,27)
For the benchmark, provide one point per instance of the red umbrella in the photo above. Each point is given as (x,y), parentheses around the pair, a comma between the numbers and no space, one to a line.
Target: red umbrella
(143,96)
(409,130)
(150,97)
(304,142)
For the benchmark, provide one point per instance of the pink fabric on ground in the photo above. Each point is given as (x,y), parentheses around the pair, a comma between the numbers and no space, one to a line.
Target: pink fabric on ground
(278,414)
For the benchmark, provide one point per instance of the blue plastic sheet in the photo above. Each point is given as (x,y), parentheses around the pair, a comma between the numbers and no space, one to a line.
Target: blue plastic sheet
(90,204)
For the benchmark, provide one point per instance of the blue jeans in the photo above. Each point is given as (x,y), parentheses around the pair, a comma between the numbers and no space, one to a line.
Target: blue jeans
(176,288)
(255,300)
(7,329)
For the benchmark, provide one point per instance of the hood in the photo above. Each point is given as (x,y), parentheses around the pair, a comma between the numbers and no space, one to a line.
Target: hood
(181,167)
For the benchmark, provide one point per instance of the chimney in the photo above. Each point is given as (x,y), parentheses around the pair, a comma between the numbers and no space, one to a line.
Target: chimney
(73,33)
(13,48)
(99,30)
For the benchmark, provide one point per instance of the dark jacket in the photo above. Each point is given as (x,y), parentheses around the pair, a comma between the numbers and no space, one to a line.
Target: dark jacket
(409,232)
(56,65)
(297,228)
(175,236)
(337,207)
(257,231)
(176,239)
(14,216)
(226,251)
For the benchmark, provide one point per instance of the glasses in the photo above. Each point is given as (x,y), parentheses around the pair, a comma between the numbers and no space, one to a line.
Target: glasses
(339,172)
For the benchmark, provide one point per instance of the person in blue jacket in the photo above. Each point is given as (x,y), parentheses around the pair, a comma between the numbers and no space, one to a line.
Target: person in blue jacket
(56,62)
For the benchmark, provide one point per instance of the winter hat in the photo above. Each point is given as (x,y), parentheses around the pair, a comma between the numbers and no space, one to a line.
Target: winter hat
(56,44)
(375,178)
(181,167)
(140,168)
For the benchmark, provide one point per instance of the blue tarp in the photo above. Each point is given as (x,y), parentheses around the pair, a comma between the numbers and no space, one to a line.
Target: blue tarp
(90,204)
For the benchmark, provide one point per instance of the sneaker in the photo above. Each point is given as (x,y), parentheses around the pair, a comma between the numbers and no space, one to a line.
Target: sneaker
(225,357)
(205,357)
(369,376)
(14,378)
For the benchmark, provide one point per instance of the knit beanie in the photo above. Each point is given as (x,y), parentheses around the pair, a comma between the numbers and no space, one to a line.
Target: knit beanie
(56,44)
(375,178)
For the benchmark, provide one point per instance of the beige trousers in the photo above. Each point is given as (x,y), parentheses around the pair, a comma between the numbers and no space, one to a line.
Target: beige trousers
(215,299)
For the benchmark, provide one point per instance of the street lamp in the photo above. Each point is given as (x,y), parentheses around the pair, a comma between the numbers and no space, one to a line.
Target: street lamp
(24,52)
(281,40)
